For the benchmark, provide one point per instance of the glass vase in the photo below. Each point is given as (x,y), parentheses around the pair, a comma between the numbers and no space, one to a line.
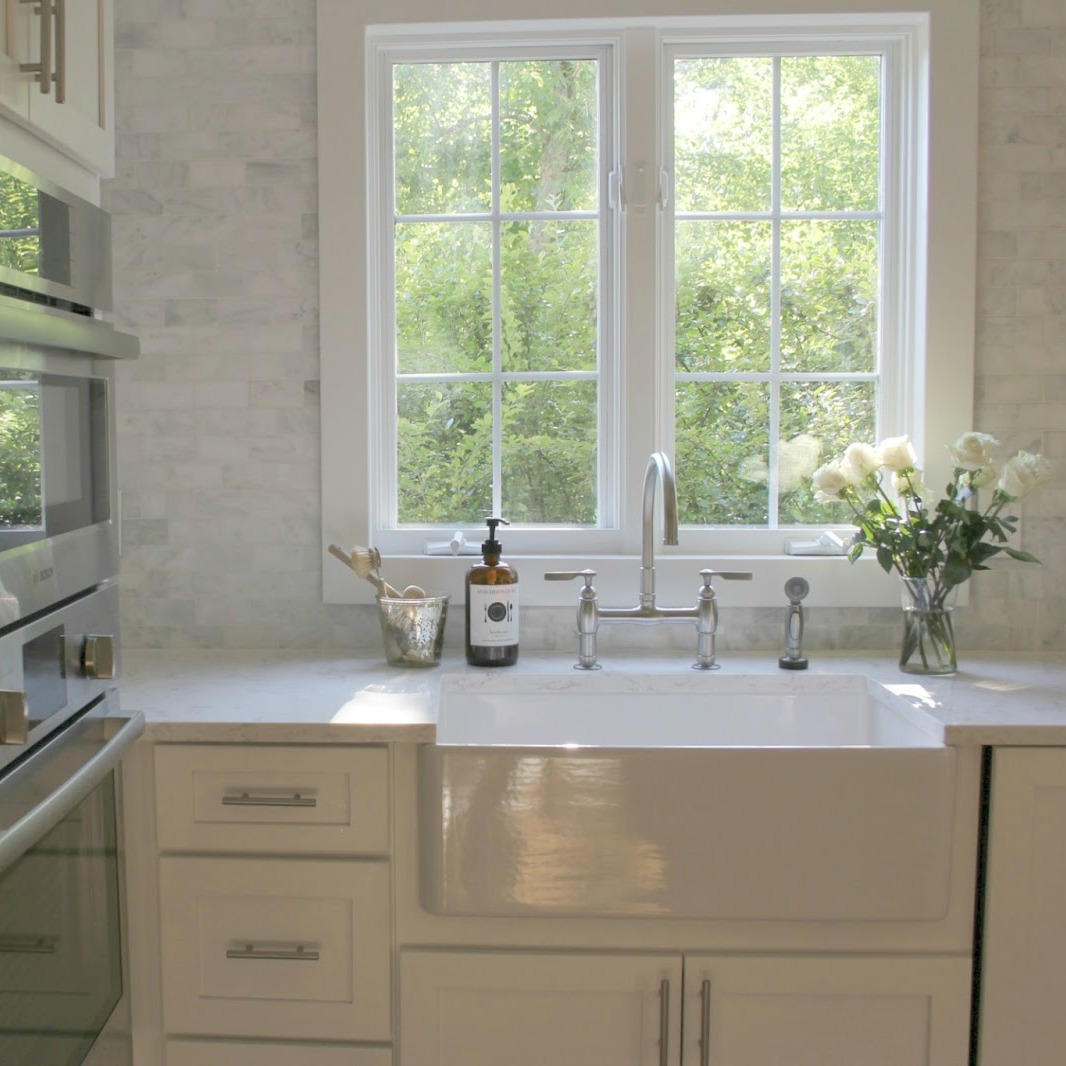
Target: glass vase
(928,638)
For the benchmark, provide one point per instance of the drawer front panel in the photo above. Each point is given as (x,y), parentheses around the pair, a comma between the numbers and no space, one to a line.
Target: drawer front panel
(208,1053)
(276,948)
(260,798)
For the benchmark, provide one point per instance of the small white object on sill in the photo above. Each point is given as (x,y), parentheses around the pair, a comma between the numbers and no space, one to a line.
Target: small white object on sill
(458,545)
(827,543)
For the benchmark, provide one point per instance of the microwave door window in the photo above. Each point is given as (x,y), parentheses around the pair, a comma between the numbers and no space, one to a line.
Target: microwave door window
(53,455)
(67,448)
(21,504)
(20,225)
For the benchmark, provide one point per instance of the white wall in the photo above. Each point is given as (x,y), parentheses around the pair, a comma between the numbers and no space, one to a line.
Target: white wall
(215,262)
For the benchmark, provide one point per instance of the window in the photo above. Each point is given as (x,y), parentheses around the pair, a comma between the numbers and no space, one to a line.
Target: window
(588,240)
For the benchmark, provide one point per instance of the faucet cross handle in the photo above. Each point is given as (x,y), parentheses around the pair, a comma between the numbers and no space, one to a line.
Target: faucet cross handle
(569,575)
(726,575)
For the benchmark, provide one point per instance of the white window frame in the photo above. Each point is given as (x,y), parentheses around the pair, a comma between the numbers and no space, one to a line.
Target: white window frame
(939,311)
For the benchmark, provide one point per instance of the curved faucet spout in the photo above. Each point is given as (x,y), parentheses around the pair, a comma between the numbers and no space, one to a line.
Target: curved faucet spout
(658,471)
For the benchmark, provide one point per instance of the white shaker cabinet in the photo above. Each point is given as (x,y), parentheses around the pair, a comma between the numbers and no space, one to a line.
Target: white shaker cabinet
(274,885)
(537,1009)
(574,1009)
(826,1011)
(1023,982)
(14,85)
(71,43)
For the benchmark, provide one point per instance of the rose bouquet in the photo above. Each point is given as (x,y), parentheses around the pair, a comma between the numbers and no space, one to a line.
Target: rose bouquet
(933,546)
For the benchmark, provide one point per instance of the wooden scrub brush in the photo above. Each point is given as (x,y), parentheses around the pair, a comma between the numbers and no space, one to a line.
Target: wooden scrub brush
(366,562)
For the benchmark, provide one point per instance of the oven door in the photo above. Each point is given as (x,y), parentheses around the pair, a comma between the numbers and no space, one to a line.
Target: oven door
(63,966)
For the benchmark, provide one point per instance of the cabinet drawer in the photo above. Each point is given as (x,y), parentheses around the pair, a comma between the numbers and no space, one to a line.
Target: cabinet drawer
(272,948)
(208,1053)
(249,798)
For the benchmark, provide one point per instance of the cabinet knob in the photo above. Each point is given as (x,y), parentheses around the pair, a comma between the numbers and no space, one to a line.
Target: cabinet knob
(98,657)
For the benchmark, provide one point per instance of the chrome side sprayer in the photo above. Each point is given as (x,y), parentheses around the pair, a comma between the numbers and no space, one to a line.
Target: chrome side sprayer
(796,588)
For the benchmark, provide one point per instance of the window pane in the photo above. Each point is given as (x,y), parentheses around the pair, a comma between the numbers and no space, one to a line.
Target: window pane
(723,296)
(549,452)
(549,285)
(443,297)
(718,425)
(723,134)
(442,140)
(444,446)
(830,133)
(829,287)
(548,135)
(836,413)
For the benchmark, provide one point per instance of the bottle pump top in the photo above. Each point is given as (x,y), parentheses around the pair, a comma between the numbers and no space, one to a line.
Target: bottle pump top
(492,546)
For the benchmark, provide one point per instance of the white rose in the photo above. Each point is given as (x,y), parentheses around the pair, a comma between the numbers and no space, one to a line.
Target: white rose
(829,481)
(909,483)
(973,451)
(980,479)
(1024,473)
(797,460)
(897,453)
(860,461)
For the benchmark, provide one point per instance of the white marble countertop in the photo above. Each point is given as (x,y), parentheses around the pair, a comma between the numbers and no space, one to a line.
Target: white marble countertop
(272,696)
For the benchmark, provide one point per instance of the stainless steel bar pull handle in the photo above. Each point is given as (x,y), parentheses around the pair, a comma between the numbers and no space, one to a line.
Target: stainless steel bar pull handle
(61,52)
(251,799)
(664,1022)
(297,953)
(705,1023)
(28,945)
(42,71)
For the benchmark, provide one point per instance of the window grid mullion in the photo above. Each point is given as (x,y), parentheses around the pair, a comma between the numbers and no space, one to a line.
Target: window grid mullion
(774,428)
(497,302)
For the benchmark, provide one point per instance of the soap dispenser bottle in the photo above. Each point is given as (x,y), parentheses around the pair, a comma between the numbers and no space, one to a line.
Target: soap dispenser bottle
(492,606)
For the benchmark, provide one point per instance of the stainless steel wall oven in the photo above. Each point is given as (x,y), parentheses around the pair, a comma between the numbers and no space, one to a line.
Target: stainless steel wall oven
(64,980)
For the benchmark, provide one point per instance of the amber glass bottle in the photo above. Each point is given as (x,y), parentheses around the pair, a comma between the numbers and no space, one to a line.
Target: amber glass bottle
(492,606)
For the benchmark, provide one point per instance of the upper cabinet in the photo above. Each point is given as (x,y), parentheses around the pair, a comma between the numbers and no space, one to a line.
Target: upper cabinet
(56,75)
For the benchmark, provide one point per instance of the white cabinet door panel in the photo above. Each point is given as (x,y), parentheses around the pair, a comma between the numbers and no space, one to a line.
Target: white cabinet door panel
(1023,993)
(209,1053)
(826,1011)
(280,948)
(491,1008)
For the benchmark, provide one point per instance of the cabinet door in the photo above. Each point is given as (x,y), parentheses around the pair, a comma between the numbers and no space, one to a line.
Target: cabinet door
(294,949)
(231,1053)
(14,37)
(826,1011)
(1023,973)
(534,1009)
(83,123)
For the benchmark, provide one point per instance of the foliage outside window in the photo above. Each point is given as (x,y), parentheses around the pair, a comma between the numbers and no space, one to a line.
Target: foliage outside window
(20,239)
(20,452)
(502,289)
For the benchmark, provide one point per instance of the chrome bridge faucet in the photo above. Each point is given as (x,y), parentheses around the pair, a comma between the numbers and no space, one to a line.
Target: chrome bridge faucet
(705,612)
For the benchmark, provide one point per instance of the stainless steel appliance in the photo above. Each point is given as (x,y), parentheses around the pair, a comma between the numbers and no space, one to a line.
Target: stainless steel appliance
(57,347)
(64,978)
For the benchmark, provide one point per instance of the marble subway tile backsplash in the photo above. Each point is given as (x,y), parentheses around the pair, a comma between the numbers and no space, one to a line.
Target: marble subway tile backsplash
(215,227)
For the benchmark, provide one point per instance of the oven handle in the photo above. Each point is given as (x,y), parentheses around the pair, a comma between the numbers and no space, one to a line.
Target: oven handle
(20,837)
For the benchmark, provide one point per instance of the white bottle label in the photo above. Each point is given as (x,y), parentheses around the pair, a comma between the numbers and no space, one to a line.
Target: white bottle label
(493,615)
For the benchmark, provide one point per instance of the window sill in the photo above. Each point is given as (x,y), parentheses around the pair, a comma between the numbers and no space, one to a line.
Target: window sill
(834,581)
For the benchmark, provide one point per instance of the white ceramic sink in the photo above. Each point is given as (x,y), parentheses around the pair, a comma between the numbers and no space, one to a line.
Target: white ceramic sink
(707,796)
(702,711)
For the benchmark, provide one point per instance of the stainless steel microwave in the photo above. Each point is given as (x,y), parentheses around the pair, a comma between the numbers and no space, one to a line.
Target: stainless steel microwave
(57,350)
